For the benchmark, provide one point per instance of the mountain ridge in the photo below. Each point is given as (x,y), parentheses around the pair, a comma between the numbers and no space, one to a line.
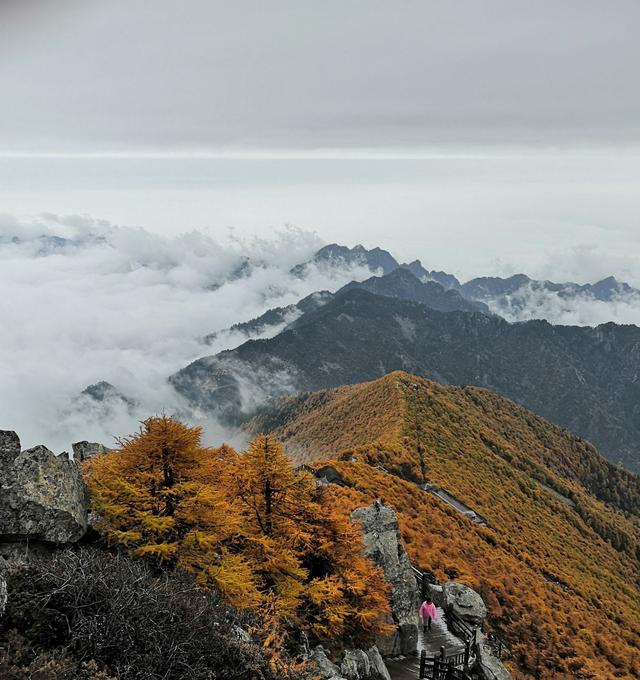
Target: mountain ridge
(480,288)
(584,379)
(516,298)
(400,283)
(552,551)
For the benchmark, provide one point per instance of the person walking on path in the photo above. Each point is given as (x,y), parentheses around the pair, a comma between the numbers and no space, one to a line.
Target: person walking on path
(427,614)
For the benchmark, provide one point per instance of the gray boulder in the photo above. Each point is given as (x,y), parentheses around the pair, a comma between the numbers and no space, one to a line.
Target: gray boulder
(464,602)
(383,545)
(356,659)
(84,450)
(320,665)
(42,495)
(378,670)
(489,667)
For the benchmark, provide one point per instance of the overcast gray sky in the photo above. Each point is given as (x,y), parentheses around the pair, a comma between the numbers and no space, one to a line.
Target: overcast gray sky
(484,136)
(202,74)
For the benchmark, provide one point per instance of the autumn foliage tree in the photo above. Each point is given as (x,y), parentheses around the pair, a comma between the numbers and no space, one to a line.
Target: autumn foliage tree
(248,524)
(305,548)
(158,495)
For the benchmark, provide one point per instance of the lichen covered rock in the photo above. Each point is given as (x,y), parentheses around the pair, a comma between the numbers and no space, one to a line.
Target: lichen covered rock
(42,495)
(355,665)
(84,450)
(378,670)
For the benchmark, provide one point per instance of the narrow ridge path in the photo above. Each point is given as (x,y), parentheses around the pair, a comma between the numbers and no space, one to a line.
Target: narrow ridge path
(456,504)
(439,636)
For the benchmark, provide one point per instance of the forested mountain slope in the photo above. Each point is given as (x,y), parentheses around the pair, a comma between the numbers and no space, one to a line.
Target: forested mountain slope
(584,379)
(558,562)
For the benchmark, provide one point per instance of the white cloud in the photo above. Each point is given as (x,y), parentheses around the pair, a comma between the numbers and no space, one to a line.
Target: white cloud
(530,302)
(128,307)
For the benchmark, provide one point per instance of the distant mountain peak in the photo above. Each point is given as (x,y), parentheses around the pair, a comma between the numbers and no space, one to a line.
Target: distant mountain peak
(403,284)
(336,254)
(103,392)
(516,298)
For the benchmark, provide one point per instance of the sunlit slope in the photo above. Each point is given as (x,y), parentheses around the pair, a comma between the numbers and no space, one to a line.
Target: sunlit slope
(558,563)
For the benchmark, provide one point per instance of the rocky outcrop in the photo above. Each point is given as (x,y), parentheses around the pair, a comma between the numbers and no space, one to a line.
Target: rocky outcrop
(355,665)
(320,665)
(43,497)
(463,602)
(9,446)
(84,450)
(328,474)
(378,671)
(383,545)
(489,667)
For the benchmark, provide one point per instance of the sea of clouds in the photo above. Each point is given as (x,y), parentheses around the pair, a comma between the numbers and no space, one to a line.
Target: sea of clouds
(84,301)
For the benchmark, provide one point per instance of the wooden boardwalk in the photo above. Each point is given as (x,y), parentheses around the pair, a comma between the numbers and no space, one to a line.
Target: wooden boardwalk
(439,636)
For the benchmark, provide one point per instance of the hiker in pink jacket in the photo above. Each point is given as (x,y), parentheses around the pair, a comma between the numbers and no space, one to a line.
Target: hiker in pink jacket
(427,614)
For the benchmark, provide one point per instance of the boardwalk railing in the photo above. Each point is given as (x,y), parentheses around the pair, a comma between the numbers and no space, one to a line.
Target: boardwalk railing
(453,666)
(445,667)
(445,671)
(424,579)
(498,646)
(460,627)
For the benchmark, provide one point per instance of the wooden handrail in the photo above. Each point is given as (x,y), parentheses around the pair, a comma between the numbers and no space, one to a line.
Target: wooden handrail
(443,669)
(464,630)
(460,626)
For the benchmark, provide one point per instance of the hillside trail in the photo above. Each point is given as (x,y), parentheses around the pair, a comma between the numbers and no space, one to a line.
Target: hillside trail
(439,636)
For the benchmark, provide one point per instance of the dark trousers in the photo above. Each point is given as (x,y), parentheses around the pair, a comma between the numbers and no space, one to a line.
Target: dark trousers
(426,625)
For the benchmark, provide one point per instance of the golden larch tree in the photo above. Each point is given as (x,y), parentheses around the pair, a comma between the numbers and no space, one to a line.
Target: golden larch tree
(263,533)
(160,494)
(306,546)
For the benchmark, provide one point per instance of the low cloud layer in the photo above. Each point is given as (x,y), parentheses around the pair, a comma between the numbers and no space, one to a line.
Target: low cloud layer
(85,301)
(580,310)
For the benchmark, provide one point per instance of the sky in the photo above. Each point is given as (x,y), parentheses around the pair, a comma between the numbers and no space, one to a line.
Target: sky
(202,74)
(484,137)
(170,137)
